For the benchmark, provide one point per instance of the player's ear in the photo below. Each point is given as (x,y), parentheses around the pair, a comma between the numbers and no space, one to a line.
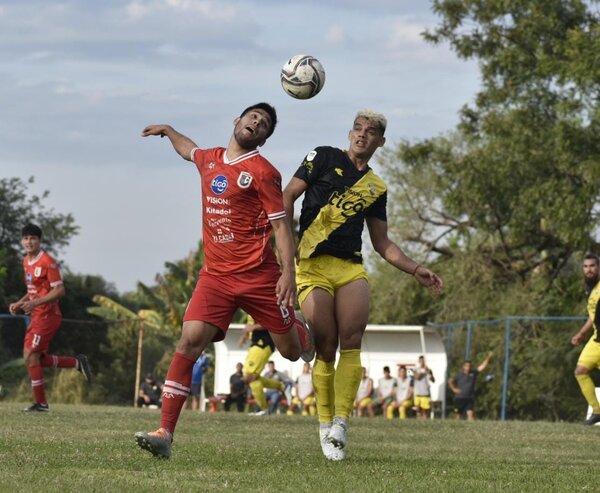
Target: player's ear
(262,143)
(236,120)
(382,141)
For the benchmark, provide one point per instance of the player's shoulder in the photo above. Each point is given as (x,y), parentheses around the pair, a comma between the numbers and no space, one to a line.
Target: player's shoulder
(321,153)
(46,258)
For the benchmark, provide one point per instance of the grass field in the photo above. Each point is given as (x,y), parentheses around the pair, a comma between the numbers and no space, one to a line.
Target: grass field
(91,448)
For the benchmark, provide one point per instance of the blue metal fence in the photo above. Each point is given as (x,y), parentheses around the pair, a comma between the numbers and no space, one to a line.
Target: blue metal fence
(508,322)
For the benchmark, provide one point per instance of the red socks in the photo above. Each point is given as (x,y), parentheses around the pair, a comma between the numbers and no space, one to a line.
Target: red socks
(37,383)
(176,390)
(58,361)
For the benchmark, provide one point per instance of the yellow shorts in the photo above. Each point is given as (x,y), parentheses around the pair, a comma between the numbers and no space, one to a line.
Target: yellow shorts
(423,401)
(590,356)
(326,272)
(406,403)
(256,360)
(365,402)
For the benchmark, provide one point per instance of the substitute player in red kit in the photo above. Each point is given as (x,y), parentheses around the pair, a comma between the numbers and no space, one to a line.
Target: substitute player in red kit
(242,204)
(44,289)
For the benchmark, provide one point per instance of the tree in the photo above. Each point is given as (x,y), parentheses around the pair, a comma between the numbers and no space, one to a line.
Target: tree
(506,203)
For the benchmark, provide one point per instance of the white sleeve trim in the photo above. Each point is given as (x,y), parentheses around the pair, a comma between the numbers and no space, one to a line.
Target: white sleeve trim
(276,215)
(55,283)
(192,154)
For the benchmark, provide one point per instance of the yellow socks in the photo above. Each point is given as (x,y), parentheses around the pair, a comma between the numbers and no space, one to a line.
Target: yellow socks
(347,379)
(259,393)
(588,389)
(323,381)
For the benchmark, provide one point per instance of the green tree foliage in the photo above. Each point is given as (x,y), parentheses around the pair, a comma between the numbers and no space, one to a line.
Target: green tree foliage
(504,206)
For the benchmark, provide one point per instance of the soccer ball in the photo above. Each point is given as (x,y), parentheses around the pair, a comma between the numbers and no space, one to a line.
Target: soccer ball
(302,76)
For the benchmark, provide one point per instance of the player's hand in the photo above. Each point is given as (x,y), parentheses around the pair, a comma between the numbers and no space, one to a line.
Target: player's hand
(286,289)
(576,339)
(28,306)
(13,308)
(155,130)
(427,278)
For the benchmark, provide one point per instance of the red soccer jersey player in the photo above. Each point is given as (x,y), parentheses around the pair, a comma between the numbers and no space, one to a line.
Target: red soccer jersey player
(242,204)
(44,289)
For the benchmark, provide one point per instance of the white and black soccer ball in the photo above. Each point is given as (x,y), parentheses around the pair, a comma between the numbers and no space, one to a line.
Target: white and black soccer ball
(302,76)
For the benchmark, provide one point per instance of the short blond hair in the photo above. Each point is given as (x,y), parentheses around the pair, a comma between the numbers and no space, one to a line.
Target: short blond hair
(373,116)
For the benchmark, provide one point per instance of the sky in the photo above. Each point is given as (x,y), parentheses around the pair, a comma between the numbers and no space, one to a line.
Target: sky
(81,79)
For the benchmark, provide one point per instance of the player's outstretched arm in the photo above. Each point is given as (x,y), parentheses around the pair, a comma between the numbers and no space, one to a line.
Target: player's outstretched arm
(392,253)
(183,145)
(286,286)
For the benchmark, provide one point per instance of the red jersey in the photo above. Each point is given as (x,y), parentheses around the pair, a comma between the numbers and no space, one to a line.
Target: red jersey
(239,199)
(41,275)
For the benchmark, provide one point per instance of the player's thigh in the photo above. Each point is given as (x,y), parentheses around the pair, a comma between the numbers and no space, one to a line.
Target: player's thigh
(196,335)
(590,356)
(352,312)
(40,333)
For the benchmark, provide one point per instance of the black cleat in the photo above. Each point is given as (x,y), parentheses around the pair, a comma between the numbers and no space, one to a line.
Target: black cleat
(592,420)
(37,408)
(84,367)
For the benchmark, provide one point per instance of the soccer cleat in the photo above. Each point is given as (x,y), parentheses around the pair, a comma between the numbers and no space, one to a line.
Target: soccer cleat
(262,412)
(330,451)
(84,367)
(337,433)
(37,408)
(592,420)
(158,442)
(308,345)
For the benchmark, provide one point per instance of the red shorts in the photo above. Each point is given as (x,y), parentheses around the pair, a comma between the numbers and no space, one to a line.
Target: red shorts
(217,297)
(40,332)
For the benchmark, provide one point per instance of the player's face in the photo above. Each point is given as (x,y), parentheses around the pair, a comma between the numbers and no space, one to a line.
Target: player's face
(590,269)
(251,129)
(467,367)
(31,244)
(365,137)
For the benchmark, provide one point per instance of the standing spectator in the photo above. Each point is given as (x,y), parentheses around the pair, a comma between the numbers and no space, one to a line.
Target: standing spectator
(237,390)
(422,376)
(384,395)
(403,397)
(197,388)
(463,386)
(364,395)
(242,204)
(342,193)
(304,400)
(44,289)
(590,356)
(149,394)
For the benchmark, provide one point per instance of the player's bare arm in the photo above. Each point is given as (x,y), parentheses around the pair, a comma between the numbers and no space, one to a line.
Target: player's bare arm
(183,145)
(294,189)
(286,286)
(394,255)
(578,338)
(55,293)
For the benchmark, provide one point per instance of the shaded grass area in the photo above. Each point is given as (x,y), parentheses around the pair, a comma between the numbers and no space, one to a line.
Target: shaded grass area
(91,448)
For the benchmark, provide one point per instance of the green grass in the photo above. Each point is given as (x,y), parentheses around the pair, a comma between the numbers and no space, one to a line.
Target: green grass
(91,448)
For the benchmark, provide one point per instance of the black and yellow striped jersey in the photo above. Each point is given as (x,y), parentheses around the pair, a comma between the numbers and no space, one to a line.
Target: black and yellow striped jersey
(338,199)
(594,310)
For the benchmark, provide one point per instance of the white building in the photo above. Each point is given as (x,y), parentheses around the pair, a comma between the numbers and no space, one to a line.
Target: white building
(383,345)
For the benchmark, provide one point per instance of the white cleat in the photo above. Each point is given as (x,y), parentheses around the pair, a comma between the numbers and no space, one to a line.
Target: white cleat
(330,451)
(337,433)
